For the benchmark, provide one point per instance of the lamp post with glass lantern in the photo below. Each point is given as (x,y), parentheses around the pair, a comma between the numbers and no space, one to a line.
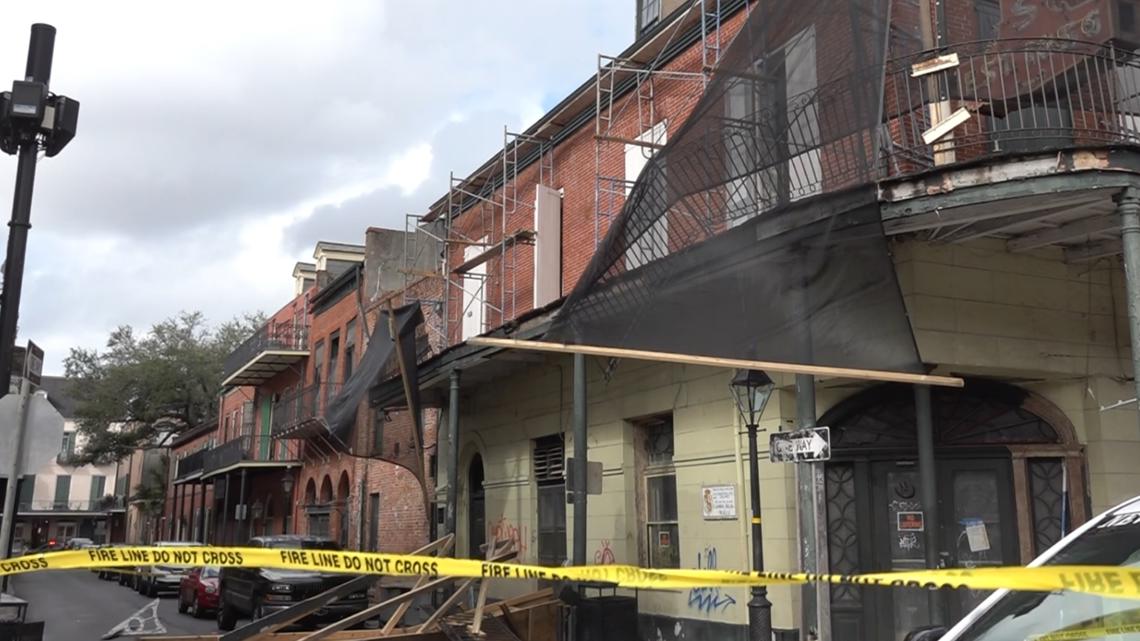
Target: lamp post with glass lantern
(751,390)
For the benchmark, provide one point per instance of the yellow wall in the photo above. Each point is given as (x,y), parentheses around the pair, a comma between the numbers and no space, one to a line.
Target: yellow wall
(1056,329)
(499,421)
(1060,330)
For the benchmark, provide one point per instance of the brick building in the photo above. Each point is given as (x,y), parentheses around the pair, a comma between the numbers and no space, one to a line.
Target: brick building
(1004,241)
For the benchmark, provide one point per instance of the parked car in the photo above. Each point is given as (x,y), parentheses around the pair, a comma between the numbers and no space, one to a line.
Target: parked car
(198,591)
(151,580)
(1113,538)
(107,574)
(258,592)
(51,546)
(79,543)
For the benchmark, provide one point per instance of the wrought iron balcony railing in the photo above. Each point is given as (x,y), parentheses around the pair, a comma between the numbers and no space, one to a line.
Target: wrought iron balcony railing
(190,464)
(271,349)
(1005,97)
(248,448)
(98,505)
(297,413)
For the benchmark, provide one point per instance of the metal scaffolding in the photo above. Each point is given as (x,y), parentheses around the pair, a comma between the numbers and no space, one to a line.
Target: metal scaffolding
(627,109)
(494,222)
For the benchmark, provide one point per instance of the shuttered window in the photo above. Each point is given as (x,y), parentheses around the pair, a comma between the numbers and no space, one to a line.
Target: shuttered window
(549,475)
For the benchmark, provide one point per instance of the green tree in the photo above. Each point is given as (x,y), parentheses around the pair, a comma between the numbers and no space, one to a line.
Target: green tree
(142,386)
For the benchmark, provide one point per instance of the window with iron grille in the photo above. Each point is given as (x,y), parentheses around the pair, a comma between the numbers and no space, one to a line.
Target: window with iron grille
(550,477)
(663,549)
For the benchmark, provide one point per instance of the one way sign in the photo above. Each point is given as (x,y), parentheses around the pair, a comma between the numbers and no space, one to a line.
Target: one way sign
(806,445)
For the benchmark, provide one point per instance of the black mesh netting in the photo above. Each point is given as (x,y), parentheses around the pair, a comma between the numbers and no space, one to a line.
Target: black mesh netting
(727,245)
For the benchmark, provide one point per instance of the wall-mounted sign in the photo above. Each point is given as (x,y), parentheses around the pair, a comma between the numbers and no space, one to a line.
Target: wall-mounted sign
(663,539)
(718,502)
(911,522)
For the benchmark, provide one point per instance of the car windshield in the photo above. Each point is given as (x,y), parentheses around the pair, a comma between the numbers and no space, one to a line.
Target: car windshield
(209,573)
(1073,616)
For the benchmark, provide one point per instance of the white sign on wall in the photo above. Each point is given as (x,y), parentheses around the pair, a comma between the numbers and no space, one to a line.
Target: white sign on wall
(718,502)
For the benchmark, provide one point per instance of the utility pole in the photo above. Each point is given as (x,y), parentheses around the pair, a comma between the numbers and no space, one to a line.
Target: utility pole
(30,118)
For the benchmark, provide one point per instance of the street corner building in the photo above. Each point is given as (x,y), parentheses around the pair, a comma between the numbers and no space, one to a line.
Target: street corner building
(871,198)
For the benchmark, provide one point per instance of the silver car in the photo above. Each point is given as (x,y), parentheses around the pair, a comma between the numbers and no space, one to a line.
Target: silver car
(1113,538)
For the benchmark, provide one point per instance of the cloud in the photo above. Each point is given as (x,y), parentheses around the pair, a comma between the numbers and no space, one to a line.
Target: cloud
(218,141)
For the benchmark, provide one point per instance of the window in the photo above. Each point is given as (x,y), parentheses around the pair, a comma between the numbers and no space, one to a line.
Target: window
(549,475)
(67,448)
(226,428)
(989,18)
(27,490)
(62,491)
(98,487)
(247,418)
(374,521)
(661,528)
(772,131)
(318,363)
(334,356)
(648,13)
(349,349)
(651,243)
(379,418)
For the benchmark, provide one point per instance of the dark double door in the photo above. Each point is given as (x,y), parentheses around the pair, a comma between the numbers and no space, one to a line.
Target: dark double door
(877,522)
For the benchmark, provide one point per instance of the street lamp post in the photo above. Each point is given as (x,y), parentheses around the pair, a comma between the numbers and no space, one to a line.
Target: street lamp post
(287,488)
(751,390)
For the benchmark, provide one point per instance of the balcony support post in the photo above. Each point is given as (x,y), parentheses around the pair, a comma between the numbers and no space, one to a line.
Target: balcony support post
(181,503)
(452,453)
(242,509)
(202,538)
(222,535)
(1128,208)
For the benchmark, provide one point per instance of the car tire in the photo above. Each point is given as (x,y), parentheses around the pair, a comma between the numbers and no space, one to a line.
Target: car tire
(151,589)
(122,577)
(258,611)
(227,616)
(183,607)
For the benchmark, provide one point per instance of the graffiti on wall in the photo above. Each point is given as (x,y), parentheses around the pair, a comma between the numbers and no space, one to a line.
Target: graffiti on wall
(709,600)
(505,530)
(604,555)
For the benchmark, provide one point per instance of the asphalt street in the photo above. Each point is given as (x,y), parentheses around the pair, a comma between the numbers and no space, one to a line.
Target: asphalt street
(76,606)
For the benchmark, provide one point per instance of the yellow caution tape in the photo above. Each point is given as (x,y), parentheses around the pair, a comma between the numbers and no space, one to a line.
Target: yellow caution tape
(1096,628)
(1109,581)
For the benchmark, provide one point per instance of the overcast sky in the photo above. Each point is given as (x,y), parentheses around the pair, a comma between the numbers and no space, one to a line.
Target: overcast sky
(218,141)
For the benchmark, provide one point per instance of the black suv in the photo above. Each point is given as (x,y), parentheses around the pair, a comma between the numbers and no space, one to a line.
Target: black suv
(259,592)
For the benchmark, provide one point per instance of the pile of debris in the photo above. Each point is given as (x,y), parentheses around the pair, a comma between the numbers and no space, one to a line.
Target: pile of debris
(537,616)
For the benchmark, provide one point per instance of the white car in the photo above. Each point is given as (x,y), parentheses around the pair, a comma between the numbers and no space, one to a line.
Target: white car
(1113,538)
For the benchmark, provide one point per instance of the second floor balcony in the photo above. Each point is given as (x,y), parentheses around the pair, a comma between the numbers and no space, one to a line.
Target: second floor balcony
(249,451)
(70,506)
(272,349)
(190,466)
(301,413)
(1005,97)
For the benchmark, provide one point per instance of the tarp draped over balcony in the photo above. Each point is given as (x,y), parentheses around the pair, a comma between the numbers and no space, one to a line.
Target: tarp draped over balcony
(726,245)
(379,356)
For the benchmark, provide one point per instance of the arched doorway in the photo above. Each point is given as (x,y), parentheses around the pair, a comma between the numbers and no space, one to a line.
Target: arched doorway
(476,508)
(319,513)
(1006,460)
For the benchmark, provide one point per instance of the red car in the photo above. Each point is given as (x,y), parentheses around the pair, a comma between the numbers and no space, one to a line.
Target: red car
(198,591)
